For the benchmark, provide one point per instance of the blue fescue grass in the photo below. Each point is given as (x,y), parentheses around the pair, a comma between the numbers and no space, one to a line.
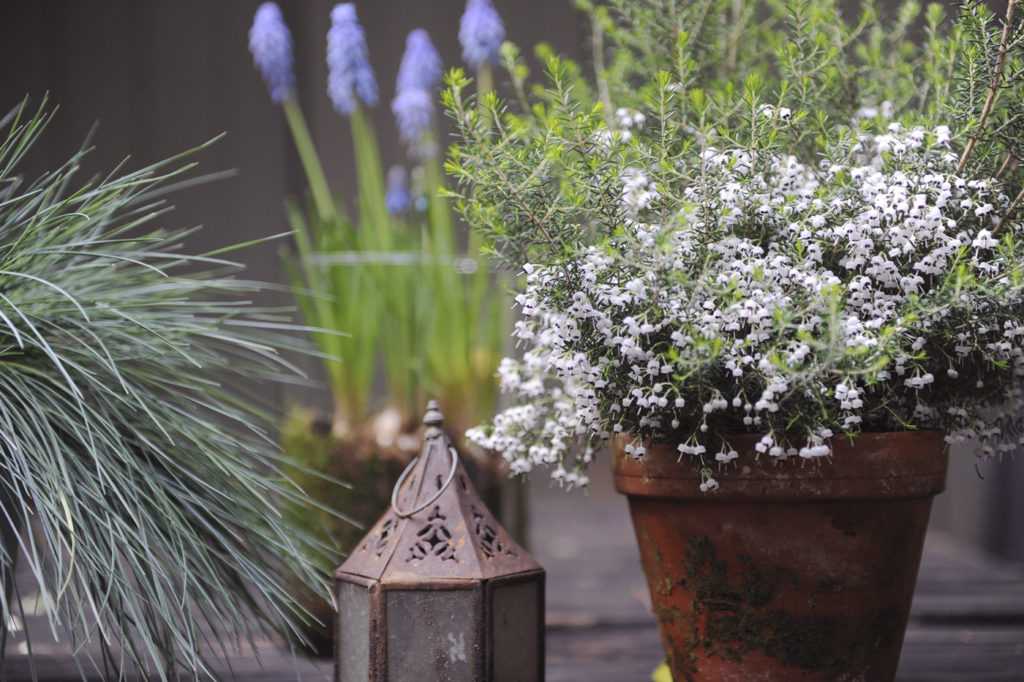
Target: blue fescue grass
(153,485)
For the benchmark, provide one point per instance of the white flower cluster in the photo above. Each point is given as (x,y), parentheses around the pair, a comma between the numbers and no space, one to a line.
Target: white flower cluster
(869,292)
(625,120)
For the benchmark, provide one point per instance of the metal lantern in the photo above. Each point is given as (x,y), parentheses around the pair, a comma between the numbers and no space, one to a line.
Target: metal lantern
(437,590)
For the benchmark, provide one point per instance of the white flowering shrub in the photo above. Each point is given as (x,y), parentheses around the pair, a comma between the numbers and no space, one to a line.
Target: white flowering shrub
(817,236)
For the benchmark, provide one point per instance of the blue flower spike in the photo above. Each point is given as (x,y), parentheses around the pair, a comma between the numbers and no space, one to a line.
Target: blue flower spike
(349,74)
(270,42)
(418,75)
(421,64)
(481,33)
(413,110)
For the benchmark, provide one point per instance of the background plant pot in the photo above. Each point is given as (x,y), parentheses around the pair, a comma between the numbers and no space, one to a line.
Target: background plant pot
(792,571)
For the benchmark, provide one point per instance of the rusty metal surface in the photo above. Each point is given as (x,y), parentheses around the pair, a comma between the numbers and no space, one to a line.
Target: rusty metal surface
(433,565)
(877,465)
(492,659)
(455,537)
(800,590)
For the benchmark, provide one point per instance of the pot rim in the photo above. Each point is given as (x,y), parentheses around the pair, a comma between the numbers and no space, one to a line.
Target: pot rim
(877,465)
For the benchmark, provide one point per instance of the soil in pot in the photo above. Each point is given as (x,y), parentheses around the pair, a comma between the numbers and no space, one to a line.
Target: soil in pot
(791,571)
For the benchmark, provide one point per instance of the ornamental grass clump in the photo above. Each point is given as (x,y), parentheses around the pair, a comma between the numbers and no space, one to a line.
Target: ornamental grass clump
(756,218)
(138,484)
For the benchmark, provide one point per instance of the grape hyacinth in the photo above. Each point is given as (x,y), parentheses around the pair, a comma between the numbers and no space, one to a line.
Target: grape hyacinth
(398,199)
(414,110)
(413,106)
(270,42)
(481,33)
(349,74)
(421,64)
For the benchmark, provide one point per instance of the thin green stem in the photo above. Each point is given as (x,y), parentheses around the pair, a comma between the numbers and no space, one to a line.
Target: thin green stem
(372,205)
(484,79)
(318,186)
(1013,207)
(993,87)
(1009,165)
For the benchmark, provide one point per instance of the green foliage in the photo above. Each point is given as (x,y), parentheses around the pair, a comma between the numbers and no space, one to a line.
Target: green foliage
(538,176)
(402,291)
(988,85)
(774,217)
(152,484)
(547,193)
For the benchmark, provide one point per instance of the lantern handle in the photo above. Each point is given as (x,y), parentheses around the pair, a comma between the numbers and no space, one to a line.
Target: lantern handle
(401,481)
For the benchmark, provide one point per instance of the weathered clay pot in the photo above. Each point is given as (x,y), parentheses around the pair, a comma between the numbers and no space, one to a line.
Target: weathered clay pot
(791,571)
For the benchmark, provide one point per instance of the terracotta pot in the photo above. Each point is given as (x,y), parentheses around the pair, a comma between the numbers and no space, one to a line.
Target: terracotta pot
(792,571)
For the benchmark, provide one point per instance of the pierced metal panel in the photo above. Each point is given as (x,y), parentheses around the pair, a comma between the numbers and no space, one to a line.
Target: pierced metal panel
(490,536)
(434,635)
(384,536)
(434,539)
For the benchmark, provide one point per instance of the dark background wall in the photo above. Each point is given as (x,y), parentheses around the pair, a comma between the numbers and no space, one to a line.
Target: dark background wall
(159,76)
(163,75)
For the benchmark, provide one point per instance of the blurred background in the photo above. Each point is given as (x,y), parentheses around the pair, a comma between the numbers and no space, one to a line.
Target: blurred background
(158,76)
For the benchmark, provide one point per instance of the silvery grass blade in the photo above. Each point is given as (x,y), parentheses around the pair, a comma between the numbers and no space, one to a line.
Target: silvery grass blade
(153,486)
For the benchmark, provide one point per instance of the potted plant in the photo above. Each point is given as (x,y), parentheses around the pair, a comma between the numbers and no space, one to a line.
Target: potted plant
(396,300)
(774,258)
(139,483)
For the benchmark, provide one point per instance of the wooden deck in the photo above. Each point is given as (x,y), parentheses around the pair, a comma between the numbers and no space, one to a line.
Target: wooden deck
(967,624)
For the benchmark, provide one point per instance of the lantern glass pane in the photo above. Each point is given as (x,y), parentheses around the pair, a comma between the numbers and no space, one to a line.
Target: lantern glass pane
(516,631)
(433,635)
(353,638)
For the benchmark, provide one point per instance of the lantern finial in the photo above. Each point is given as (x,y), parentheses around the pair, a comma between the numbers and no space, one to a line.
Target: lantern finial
(433,417)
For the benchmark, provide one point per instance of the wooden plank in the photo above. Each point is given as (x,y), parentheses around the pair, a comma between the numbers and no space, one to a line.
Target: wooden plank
(585,541)
(624,654)
(966,654)
(957,585)
(968,618)
(269,663)
(602,654)
(627,653)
